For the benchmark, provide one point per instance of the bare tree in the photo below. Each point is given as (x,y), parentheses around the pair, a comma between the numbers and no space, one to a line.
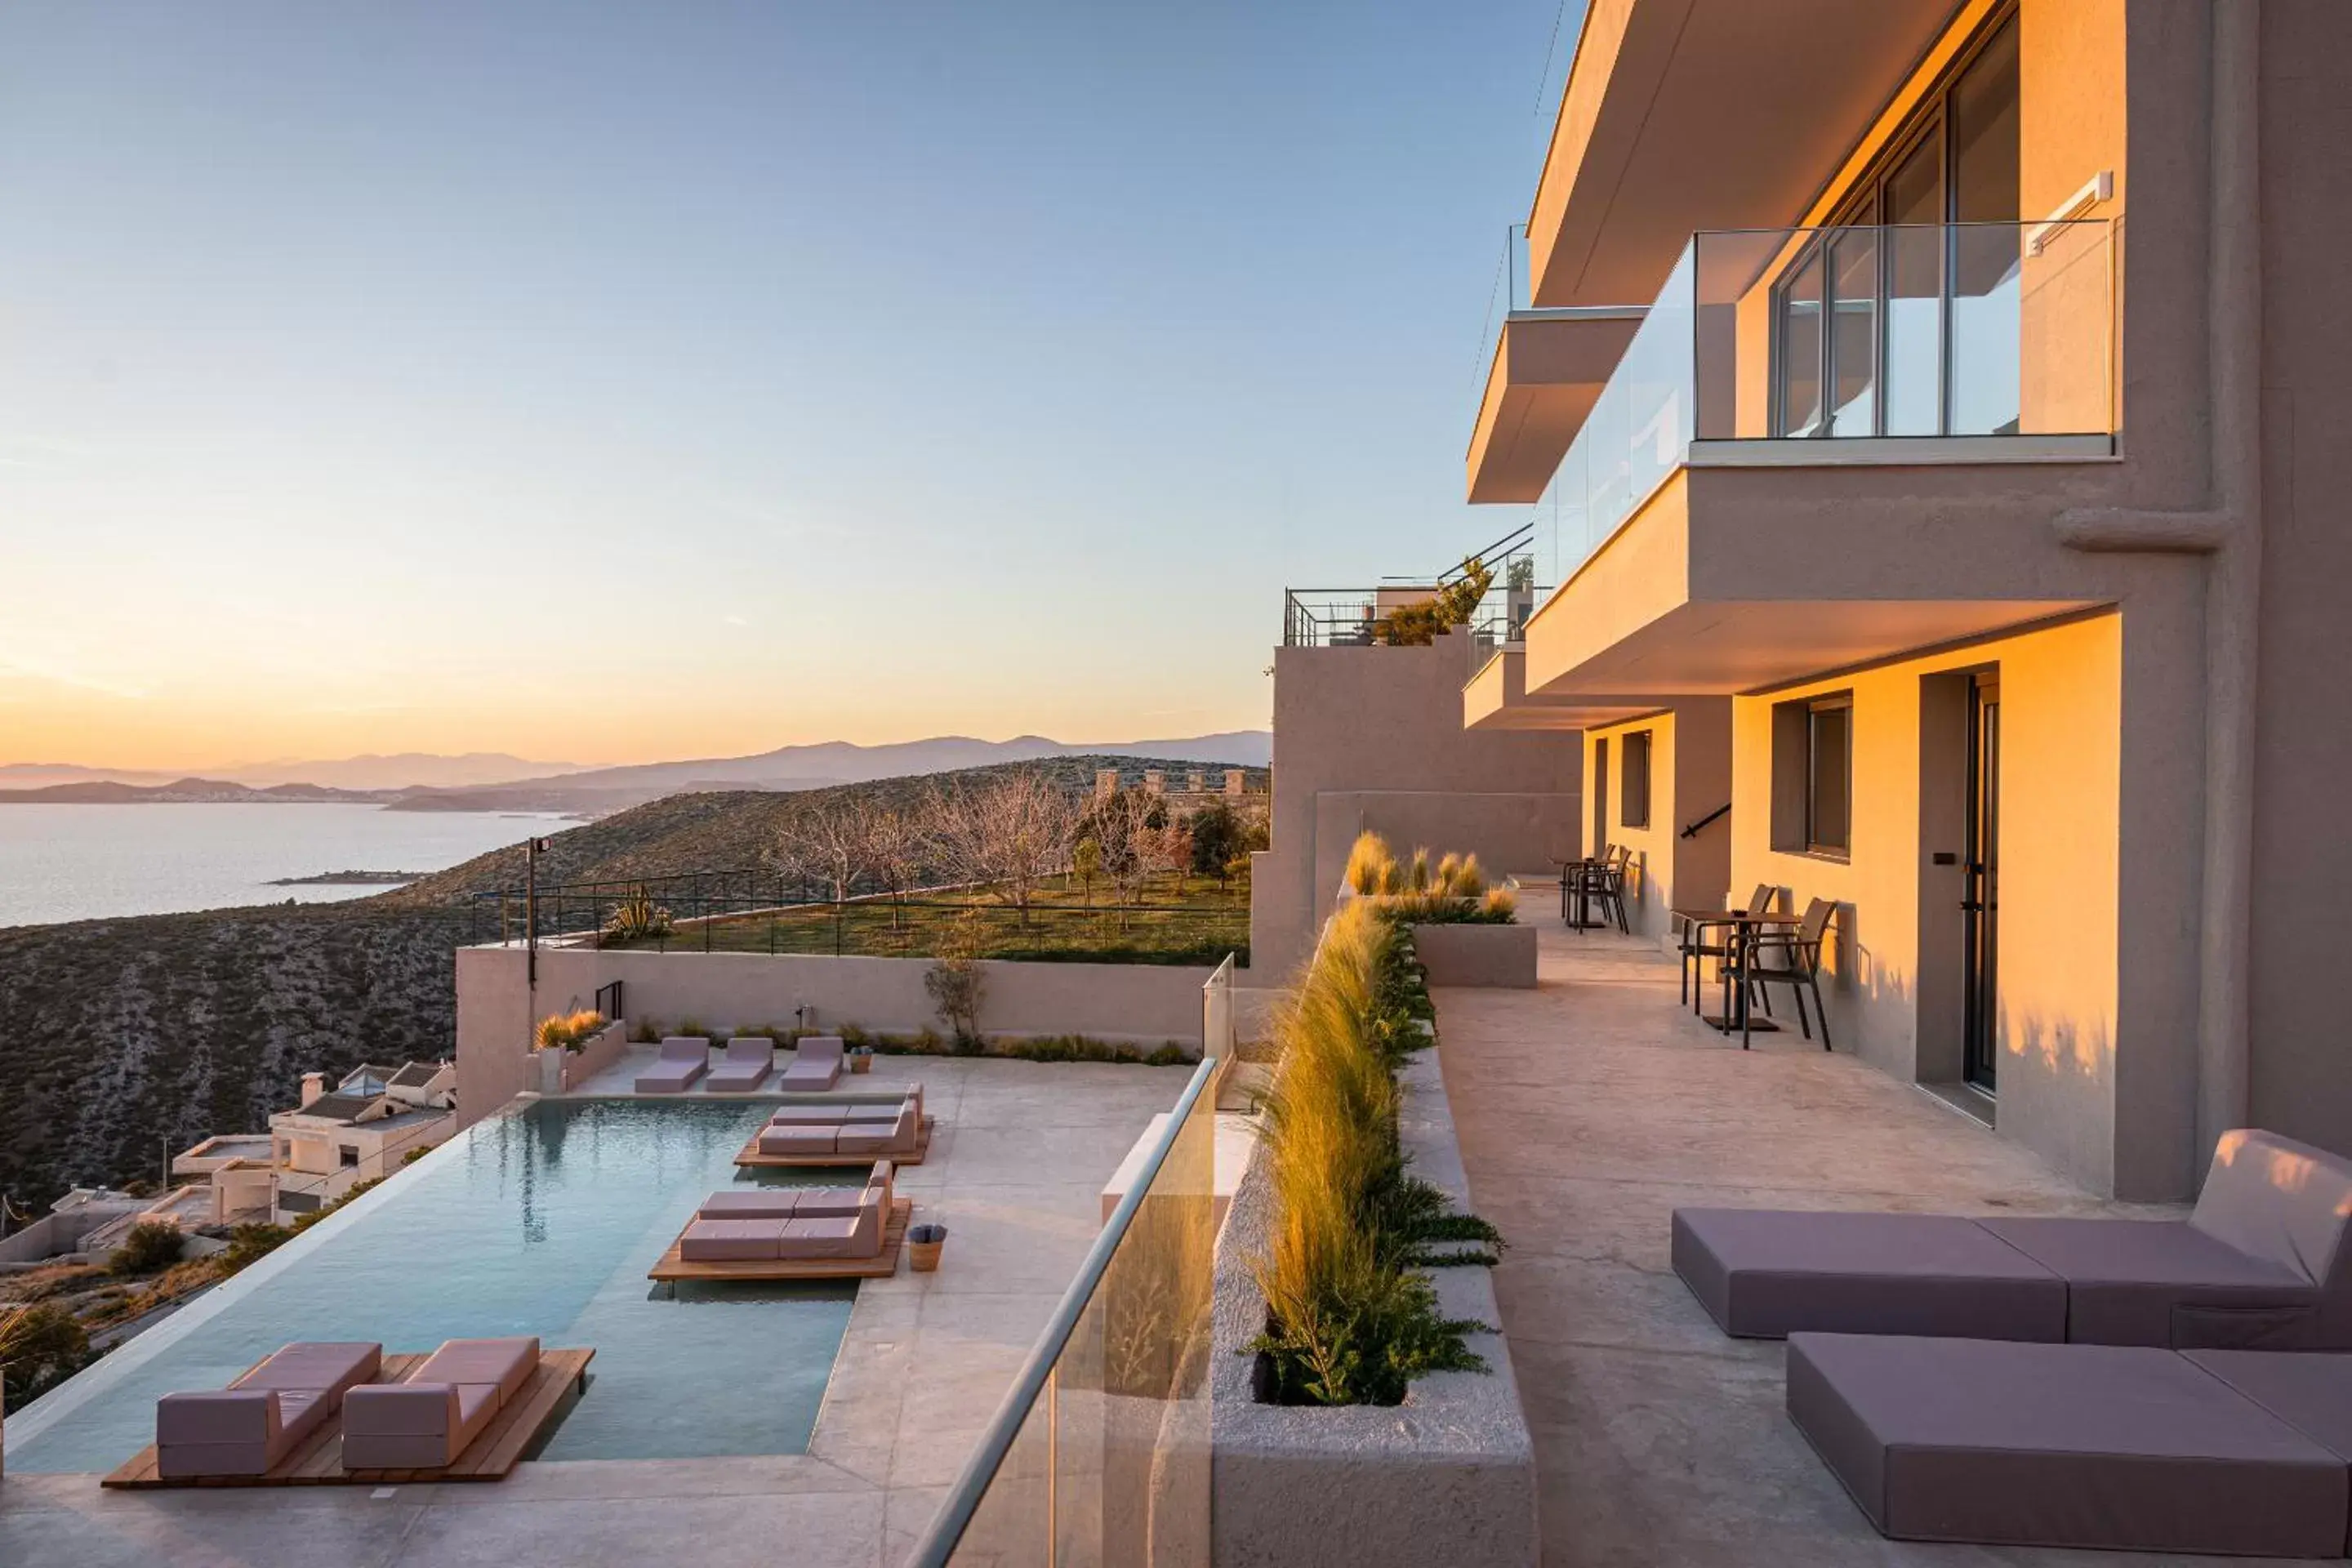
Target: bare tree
(1010,832)
(830,841)
(1121,823)
(899,848)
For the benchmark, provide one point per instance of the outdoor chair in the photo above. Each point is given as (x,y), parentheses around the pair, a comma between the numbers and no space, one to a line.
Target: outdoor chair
(426,1420)
(1790,958)
(816,1064)
(2261,1263)
(684,1059)
(743,1064)
(2081,1446)
(1701,940)
(257,1421)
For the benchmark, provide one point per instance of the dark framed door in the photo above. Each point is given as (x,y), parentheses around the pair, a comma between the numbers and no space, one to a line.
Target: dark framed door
(1981,899)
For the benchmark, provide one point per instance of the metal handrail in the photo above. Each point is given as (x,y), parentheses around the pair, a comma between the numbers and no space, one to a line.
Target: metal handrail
(939,1542)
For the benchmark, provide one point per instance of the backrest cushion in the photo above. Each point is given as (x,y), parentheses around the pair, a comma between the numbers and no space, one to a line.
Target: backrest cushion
(2277,1199)
(747,1048)
(686,1049)
(820,1048)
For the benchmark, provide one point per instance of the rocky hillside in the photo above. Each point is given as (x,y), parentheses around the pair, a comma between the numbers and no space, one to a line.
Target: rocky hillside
(122,1034)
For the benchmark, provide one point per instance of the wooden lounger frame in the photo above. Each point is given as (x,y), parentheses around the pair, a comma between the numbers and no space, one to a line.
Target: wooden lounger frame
(318,1459)
(672,1268)
(751,1159)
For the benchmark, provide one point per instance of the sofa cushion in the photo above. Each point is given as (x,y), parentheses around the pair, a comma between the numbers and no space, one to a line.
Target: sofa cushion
(2273,1198)
(317,1365)
(751,1203)
(1766,1273)
(809,1116)
(829,1203)
(2309,1392)
(867,1137)
(827,1238)
(400,1409)
(220,1415)
(507,1363)
(2042,1445)
(2162,1282)
(730,1240)
(791,1139)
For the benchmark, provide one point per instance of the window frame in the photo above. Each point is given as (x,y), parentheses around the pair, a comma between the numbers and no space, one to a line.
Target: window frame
(1626,776)
(1863,206)
(1814,842)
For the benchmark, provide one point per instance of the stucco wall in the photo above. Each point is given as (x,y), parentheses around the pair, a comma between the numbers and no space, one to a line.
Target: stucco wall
(1142,1003)
(1894,996)
(1690,775)
(1372,737)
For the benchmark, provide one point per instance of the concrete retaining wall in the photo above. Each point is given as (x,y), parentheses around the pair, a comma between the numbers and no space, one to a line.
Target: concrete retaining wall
(1137,1004)
(1491,956)
(1447,1477)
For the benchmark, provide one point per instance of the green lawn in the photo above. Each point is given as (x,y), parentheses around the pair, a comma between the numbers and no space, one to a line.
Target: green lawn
(1198,922)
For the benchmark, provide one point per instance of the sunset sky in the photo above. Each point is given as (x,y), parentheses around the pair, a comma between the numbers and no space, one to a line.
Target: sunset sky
(614,382)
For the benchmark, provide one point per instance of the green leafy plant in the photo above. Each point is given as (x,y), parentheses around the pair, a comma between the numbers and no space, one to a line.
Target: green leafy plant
(639,919)
(1421,622)
(957,985)
(251,1243)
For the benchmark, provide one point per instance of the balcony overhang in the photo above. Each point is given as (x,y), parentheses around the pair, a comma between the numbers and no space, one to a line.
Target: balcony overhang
(1548,369)
(1496,697)
(1681,115)
(1731,580)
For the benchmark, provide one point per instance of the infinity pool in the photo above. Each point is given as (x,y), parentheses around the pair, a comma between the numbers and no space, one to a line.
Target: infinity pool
(542,1221)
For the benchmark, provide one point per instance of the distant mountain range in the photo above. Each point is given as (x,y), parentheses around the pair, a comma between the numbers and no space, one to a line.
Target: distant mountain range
(495,781)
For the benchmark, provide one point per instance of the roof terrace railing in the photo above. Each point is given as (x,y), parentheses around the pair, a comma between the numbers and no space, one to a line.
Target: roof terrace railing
(1100,1450)
(1351,618)
(1796,335)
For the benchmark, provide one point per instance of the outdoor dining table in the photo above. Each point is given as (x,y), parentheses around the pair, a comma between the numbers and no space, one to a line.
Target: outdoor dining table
(1746,928)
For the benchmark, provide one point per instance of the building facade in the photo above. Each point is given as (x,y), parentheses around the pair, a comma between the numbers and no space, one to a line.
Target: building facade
(1976,544)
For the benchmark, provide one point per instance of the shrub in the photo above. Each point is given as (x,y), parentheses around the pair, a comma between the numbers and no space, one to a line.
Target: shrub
(1418,624)
(956,984)
(1370,867)
(569,1031)
(41,1343)
(152,1244)
(251,1243)
(1451,892)
(1349,1320)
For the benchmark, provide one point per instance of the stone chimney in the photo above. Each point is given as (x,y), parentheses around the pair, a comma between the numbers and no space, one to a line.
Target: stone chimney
(314,1084)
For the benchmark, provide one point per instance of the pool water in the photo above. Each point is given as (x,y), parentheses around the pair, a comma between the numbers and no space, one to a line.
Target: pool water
(542,1221)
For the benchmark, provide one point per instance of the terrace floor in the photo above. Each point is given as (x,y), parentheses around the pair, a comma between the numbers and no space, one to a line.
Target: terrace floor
(1015,1171)
(1589,1107)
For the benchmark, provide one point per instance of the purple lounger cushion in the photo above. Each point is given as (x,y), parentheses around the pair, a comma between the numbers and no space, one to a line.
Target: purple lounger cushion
(868,1137)
(829,1203)
(751,1203)
(731,1240)
(744,1065)
(244,1429)
(429,1417)
(1766,1273)
(796,1139)
(2034,1445)
(2162,1282)
(816,1064)
(808,1115)
(684,1059)
(851,1237)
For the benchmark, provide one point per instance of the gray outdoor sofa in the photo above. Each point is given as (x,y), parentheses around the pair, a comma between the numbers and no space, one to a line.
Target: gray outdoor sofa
(684,1059)
(2131,1448)
(2261,1264)
(257,1421)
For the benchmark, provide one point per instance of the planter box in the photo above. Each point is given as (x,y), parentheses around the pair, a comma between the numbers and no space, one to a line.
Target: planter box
(1449,1476)
(1492,955)
(562,1071)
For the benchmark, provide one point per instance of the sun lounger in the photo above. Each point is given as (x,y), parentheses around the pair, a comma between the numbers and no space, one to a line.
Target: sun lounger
(2082,1446)
(743,1064)
(816,1064)
(684,1059)
(2261,1264)
(811,1223)
(247,1427)
(426,1420)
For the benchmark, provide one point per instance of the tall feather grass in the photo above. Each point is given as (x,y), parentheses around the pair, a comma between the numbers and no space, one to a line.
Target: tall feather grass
(1452,890)
(1350,1320)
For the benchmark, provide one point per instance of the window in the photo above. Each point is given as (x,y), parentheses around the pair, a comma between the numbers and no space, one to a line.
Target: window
(1812,775)
(351,1156)
(1910,328)
(1633,781)
(1829,775)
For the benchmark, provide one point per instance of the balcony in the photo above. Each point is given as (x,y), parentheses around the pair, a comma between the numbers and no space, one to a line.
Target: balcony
(1549,370)
(1360,618)
(1918,363)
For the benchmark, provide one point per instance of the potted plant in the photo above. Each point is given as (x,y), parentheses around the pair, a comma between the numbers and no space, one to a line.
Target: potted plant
(861,1059)
(923,1244)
